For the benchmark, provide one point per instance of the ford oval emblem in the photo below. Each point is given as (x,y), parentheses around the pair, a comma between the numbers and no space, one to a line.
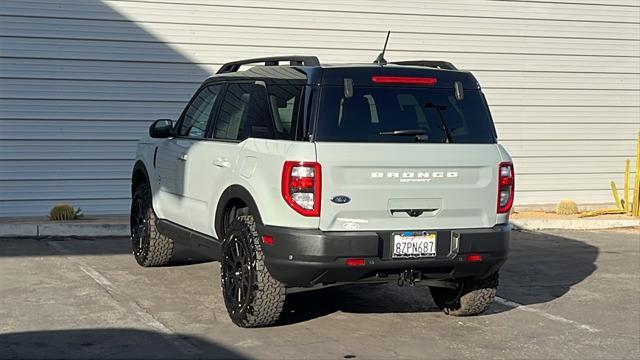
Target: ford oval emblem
(340,199)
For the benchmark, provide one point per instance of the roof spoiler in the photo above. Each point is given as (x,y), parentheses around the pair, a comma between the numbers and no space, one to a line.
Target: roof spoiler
(428,63)
(270,61)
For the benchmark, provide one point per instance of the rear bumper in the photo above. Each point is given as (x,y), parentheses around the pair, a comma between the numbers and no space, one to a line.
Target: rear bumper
(300,257)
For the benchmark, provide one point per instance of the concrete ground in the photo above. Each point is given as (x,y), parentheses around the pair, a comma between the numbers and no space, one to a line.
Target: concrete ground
(562,295)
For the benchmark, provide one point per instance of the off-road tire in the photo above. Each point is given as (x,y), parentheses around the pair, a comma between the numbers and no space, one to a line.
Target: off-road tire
(474,296)
(263,303)
(154,249)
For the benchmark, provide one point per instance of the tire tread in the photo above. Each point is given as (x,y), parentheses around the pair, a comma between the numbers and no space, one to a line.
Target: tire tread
(268,294)
(475,298)
(160,246)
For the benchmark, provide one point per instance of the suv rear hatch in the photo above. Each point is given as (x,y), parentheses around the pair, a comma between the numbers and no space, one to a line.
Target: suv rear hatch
(408,156)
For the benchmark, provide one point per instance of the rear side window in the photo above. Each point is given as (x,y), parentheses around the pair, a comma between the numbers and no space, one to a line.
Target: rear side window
(259,111)
(233,112)
(373,111)
(244,113)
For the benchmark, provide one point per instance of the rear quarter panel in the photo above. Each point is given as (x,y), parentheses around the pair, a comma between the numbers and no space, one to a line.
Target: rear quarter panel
(260,172)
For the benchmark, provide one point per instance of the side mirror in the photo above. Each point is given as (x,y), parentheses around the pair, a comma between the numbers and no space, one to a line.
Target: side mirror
(161,129)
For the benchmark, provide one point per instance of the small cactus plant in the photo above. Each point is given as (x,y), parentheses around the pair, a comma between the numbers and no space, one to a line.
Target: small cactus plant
(567,207)
(62,212)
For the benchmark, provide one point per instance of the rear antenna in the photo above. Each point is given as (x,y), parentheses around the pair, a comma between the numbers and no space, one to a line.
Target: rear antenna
(380,59)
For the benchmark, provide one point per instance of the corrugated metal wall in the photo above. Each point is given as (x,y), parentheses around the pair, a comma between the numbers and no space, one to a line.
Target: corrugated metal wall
(80,80)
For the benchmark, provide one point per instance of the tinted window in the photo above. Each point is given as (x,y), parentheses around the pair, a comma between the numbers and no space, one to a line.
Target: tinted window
(284,101)
(372,110)
(260,123)
(232,118)
(244,112)
(194,122)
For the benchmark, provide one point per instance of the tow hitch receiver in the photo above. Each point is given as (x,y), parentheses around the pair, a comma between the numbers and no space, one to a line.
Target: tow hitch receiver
(409,277)
(413,278)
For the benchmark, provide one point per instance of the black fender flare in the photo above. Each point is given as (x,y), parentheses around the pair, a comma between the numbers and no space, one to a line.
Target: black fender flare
(137,167)
(235,192)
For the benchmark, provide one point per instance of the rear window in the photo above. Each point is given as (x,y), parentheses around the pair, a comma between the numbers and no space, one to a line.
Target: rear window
(432,113)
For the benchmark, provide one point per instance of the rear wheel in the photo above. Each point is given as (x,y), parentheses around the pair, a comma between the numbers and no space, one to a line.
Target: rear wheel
(472,297)
(150,248)
(252,296)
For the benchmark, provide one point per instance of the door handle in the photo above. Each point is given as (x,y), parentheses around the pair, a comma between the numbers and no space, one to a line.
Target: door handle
(183,157)
(222,162)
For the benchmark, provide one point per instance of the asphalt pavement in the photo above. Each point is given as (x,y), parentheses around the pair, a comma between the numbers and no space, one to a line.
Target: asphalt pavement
(562,295)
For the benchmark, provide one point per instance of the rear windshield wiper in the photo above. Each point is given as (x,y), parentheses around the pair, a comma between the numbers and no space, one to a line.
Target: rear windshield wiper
(405,132)
(445,128)
(420,134)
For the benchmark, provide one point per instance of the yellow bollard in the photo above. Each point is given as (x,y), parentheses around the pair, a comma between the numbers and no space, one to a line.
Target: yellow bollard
(627,200)
(636,187)
(615,195)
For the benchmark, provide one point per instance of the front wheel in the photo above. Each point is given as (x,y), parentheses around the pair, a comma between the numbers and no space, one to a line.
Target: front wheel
(150,248)
(472,297)
(252,296)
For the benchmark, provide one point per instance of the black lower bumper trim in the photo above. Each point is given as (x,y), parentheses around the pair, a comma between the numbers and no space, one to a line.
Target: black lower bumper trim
(301,257)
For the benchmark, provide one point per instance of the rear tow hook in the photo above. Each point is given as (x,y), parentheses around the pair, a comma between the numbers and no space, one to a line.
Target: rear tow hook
(409,277)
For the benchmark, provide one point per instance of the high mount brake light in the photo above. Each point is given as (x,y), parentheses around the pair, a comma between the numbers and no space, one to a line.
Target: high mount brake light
(428,81)
(506,187)
(301,186)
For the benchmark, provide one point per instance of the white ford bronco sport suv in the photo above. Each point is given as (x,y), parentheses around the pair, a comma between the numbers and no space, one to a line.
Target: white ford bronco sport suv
(302,175)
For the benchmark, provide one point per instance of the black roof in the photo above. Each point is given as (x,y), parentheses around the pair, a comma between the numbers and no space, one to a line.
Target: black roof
(311,71)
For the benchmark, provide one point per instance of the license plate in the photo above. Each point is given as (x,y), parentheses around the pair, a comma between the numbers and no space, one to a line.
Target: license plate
(414,244)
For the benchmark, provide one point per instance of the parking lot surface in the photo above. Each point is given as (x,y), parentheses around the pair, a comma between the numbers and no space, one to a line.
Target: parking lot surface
(562,295)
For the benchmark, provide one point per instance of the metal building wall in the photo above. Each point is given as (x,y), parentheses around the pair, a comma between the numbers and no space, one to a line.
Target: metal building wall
(80,80)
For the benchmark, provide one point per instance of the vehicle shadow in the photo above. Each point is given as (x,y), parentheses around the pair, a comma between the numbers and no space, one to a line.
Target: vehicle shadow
(109,343)
(541,268)
(356,298)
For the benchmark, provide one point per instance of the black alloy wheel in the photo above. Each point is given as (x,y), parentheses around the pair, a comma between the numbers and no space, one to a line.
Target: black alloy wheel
(139,227)
(237,276)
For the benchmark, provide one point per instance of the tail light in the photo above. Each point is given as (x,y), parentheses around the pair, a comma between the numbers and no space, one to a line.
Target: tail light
(506,187)
(301,186)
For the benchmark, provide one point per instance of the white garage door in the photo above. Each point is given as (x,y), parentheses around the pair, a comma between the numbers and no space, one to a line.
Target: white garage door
(81,80)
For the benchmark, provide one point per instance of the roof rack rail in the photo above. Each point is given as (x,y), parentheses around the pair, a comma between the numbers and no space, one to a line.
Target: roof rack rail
(270,61)
(428,63)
